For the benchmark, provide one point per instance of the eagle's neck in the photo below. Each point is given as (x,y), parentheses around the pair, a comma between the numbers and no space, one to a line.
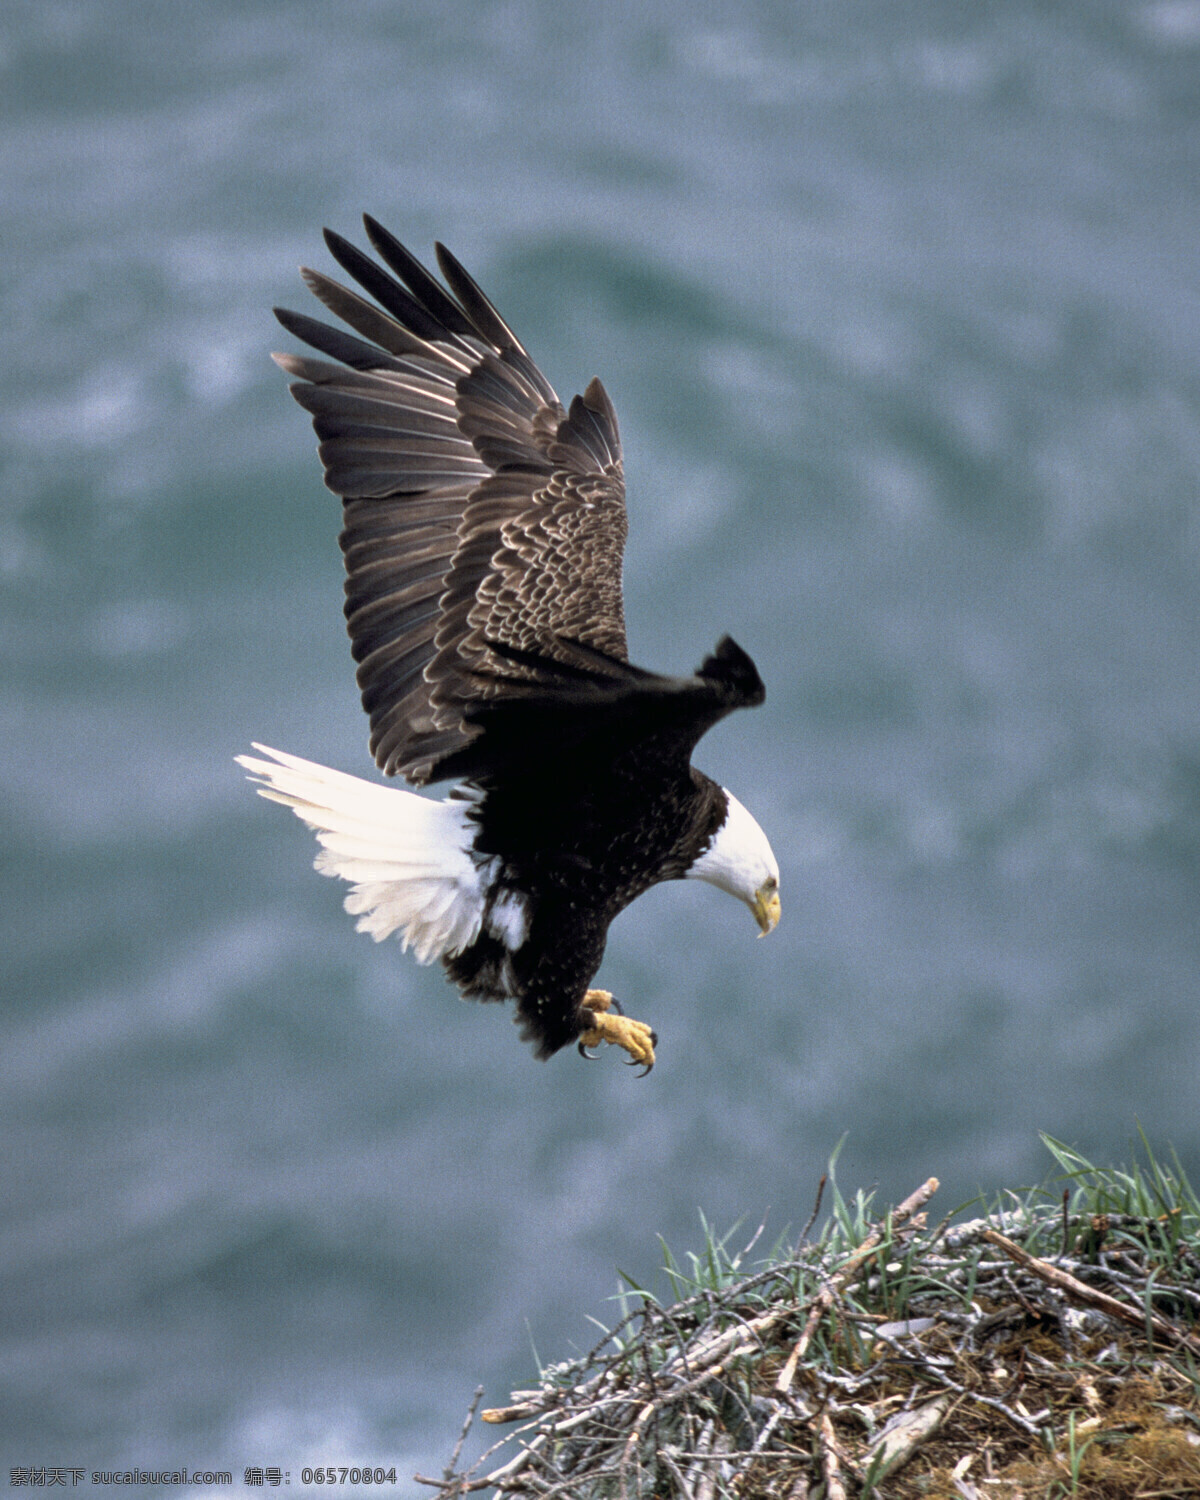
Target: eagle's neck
(738,858)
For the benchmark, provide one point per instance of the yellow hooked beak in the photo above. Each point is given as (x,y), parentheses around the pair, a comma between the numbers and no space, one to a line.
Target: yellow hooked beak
(767,907)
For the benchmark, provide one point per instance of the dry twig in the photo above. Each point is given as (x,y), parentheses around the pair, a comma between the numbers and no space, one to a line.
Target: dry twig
(1091,1296)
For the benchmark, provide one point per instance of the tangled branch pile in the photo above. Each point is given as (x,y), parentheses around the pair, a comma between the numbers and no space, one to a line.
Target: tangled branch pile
(1048,1348)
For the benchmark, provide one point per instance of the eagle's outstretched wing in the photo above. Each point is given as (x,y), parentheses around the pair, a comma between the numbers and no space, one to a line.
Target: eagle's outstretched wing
(477,509)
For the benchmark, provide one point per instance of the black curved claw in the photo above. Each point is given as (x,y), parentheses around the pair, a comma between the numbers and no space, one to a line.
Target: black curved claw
(584,1053)
(631,1062)
(615,1005)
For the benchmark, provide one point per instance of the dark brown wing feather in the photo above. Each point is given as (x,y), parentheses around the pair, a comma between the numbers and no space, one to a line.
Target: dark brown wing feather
(477,510)
(583,711)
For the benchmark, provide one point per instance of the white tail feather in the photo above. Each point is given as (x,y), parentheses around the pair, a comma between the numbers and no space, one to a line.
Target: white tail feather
(407,856)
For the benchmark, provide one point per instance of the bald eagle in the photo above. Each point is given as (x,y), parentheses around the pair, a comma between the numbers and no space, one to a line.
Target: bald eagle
(483,540)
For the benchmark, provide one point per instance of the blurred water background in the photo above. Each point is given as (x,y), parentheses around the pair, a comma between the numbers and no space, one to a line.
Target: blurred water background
(900,308)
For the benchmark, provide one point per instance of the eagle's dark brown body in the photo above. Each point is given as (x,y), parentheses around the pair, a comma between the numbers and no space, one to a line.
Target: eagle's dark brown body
(579,861)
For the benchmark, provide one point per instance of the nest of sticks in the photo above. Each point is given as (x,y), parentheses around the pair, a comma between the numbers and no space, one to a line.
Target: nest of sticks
(1034,1352)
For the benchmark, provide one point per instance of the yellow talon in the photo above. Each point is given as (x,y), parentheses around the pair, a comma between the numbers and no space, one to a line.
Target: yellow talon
(634,1036)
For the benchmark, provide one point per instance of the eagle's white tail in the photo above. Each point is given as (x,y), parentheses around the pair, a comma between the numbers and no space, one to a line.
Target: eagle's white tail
(407,856)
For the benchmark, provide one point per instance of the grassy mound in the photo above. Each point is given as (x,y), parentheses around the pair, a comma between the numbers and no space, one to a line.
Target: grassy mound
(1048,1347)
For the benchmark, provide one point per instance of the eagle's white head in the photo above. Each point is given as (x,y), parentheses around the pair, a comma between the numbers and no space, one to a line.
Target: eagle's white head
(741,861)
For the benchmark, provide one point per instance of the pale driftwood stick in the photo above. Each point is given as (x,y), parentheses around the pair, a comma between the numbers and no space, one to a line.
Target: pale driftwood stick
(514,1413)
(1136,1317)
(696,1469)
(707,1488)
(830,1468)
(724,1345)
(730,1453)
(901,1438)
(629,1452)
(826,1297)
